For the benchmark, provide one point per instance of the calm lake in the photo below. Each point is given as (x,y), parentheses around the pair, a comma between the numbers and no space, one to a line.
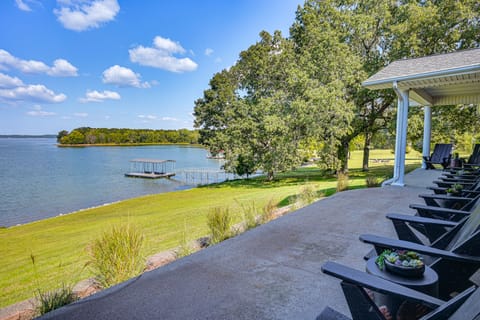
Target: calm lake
(39,180)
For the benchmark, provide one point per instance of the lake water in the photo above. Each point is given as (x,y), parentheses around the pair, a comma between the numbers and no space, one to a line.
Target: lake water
(40,180)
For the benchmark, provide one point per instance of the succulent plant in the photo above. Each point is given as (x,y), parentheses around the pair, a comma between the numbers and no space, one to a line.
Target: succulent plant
(403,258)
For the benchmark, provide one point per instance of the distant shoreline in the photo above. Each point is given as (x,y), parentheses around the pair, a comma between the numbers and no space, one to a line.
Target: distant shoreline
(127,144)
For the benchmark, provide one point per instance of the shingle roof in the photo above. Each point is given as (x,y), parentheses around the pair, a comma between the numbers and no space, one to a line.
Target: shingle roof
(427,66)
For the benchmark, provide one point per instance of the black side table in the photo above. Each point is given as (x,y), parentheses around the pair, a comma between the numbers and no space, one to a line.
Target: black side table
(428,284)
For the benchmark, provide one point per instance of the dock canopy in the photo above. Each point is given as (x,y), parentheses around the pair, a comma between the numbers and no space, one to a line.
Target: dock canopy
(443,79)
(151,168)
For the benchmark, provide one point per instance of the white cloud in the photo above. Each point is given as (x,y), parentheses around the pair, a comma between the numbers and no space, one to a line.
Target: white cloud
(123,77)
(32,92)
(161,56)
(95,96)
(150,117)
(81,114)
(147,117)
(9,82)
(60,68)
(39,112)
(22,5)
(208,52)
(169,119)
(80,15)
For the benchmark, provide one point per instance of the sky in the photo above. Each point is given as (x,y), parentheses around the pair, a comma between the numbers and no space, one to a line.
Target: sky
(66,64)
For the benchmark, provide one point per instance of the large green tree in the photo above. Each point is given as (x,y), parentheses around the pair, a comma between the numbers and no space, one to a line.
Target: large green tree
(285,96)
(249,112)
(261,112)
(376,33)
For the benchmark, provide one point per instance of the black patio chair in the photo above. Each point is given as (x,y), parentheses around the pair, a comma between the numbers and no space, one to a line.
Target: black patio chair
(442,154)
(435,222)
(473,161)
(461,201)
(437,233)
(363,307)
(454,266)
(448,183)
(441,206)
(468,189)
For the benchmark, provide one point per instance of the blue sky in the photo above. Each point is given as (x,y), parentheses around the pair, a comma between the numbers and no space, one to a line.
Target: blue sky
(120,63)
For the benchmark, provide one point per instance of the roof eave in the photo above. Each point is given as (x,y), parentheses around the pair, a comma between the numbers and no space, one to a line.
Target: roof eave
(387,83)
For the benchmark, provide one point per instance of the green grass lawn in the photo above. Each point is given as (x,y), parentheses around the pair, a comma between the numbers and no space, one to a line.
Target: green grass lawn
(58,245)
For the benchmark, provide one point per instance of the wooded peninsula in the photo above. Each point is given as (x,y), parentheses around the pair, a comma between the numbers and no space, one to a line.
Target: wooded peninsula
(112,136)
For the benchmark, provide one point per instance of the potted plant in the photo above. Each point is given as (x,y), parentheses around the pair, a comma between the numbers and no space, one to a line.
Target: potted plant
(455,189)
(402,262)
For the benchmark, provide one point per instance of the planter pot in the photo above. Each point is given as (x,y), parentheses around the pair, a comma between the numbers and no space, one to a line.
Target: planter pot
(410,272)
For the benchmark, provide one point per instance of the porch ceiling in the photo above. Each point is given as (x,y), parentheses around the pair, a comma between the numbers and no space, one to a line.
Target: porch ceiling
(446,79)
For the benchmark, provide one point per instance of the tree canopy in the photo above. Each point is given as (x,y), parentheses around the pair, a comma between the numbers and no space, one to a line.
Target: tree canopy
(86,135)
(287,97)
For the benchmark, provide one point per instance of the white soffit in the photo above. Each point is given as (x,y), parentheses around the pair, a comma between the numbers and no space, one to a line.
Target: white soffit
(456,81)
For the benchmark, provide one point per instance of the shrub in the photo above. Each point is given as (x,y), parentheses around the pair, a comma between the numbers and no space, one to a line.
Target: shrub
(49,301)
(116,255)
(373,182)
(219,222)
(342,182)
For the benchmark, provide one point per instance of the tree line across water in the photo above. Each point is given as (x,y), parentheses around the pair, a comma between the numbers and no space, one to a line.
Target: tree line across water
(93,136)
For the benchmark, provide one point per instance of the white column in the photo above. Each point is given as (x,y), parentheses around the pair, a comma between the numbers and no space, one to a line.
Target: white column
(427,133)
(401,139)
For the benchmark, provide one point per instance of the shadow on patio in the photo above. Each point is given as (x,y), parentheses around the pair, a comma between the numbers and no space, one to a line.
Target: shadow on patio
(270,272)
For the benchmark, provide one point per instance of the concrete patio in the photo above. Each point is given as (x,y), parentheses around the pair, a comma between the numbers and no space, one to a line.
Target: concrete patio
(270,272)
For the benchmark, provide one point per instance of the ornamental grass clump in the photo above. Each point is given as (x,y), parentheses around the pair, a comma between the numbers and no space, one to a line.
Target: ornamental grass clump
(250,216)
(308,194)
(372,182)
(49,301)
(185,248)
(268,212)
(116,255)
(219,221)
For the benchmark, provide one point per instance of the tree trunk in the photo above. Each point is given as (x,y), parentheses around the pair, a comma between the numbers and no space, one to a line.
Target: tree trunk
(343,155)
(270,175)
(366,151)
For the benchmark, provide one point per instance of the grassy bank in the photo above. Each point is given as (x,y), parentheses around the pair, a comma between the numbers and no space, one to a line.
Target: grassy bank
(58,244)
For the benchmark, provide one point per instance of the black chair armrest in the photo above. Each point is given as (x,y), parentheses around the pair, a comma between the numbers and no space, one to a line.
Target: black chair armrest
(443,190)
(388,243)
(444,197)
(422,220)
(438,210)
(380,285)
(450,183)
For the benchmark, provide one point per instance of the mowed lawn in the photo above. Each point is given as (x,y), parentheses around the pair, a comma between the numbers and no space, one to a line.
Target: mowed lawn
(57,246)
